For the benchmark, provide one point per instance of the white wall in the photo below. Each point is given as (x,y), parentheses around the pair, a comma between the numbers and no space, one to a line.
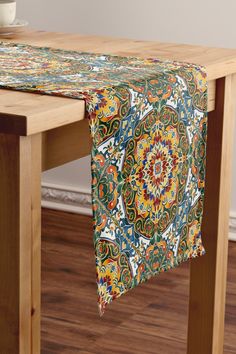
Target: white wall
(207,22)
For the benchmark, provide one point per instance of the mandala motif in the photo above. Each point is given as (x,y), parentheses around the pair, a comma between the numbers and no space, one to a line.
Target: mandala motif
(155,172)
(148,123)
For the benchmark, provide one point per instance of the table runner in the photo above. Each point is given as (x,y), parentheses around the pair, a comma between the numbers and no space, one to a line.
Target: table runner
(148,123)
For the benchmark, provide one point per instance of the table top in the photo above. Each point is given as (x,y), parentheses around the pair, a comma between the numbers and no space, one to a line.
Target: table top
(26,113)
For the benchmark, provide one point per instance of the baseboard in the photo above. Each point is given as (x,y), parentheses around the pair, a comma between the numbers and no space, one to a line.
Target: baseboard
(76,200)
(66,198)
(232,227)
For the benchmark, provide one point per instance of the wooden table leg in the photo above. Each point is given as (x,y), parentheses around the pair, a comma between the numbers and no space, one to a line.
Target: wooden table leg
(208,273)
(20,214)
(36,168)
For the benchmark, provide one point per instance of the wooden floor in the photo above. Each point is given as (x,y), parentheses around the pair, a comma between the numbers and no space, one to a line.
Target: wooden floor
(150,319)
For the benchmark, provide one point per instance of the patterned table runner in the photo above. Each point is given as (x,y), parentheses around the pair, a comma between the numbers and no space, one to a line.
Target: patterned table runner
(148,122)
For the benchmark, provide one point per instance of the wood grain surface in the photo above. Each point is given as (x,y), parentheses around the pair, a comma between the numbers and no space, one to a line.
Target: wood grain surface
(15,241)
(150,319)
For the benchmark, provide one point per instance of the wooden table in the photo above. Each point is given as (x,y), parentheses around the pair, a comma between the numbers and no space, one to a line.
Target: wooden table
(40,132)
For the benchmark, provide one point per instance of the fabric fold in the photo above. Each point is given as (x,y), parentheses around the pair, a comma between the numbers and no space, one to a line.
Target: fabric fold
(148,122)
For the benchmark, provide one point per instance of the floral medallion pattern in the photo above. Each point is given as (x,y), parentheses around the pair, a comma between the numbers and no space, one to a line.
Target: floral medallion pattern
(148,124)
(154,172)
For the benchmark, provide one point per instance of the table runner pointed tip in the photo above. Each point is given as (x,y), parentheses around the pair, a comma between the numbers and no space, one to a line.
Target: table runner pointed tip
(101,309)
